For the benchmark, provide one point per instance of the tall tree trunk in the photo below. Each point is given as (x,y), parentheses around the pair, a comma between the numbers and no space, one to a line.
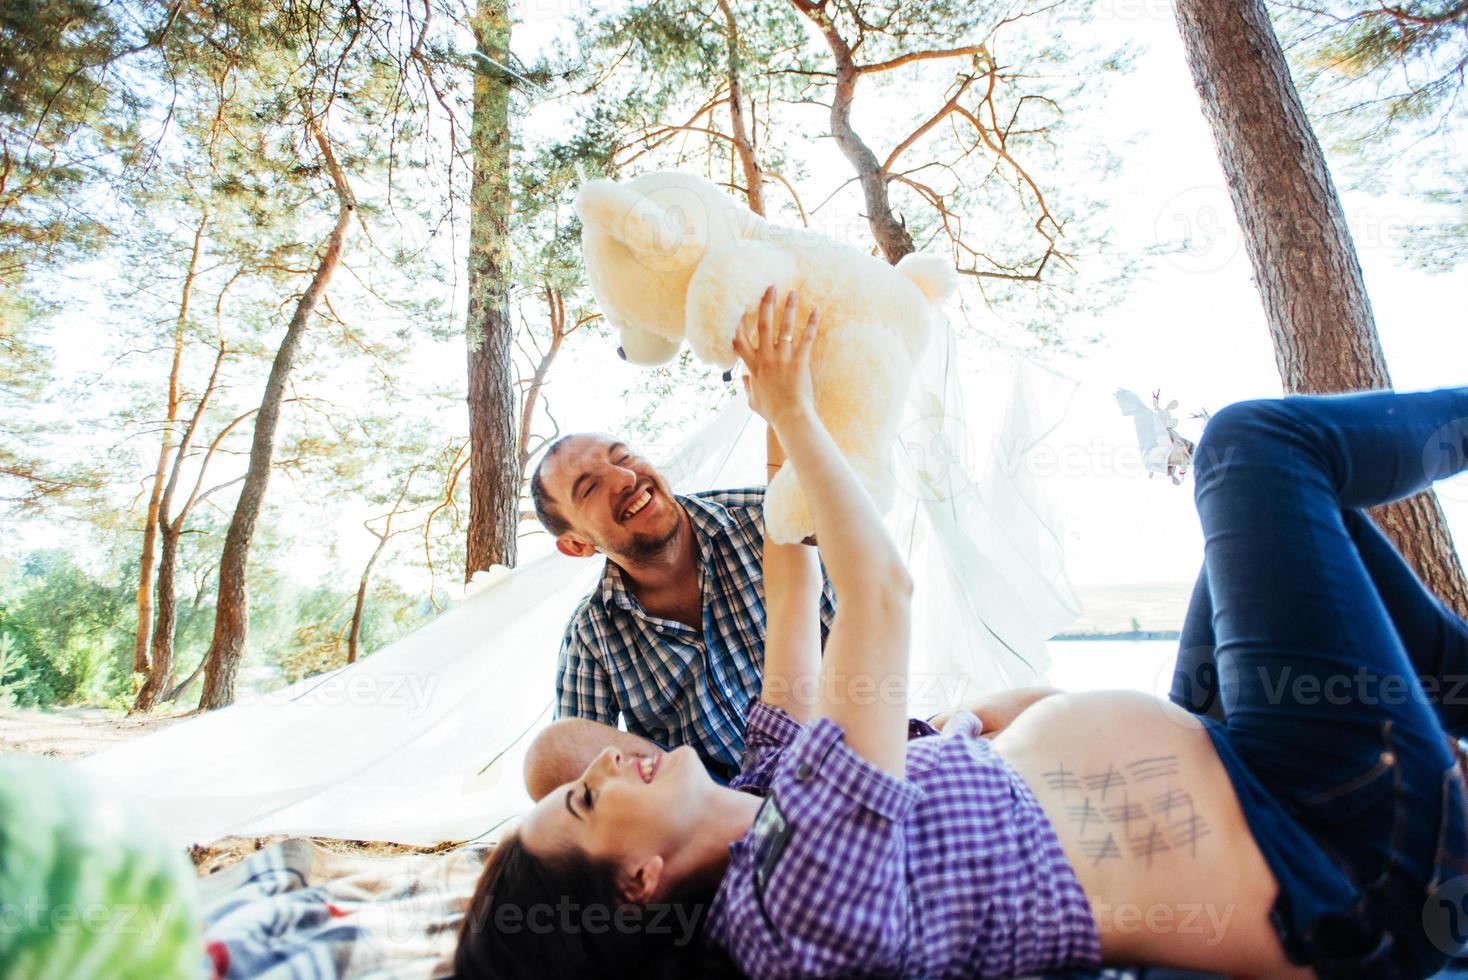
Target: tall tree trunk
(355,634)
(555,302)
(742,133)
(155,494)
(160,670)
(231,616)
(887,228)
(170,527)
(361,604)
(382,538)
(494,470)
(1295,231)
(184,684)
(147,558)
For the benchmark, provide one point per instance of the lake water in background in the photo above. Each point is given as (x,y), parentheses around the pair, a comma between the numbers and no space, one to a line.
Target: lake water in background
(1087,665)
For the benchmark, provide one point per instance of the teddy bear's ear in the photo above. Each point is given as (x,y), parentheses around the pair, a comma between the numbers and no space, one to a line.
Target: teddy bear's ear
(635,220)
(643,347)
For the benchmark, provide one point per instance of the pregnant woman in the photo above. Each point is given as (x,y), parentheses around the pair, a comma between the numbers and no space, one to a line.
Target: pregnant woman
(1314,824)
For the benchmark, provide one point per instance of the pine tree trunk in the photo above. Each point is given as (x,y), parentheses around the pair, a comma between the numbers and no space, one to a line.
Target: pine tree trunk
(360,606)
(170,528)
(888,230)
(739,129)
(146,560)
(1297,238)
(160,670)
(494,466)
(231,616)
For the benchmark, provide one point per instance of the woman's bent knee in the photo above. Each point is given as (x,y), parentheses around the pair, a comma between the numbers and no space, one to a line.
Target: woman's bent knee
(1247,426)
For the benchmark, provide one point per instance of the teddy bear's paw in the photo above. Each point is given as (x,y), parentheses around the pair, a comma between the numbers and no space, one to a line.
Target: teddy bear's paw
(787,514)
(644,347)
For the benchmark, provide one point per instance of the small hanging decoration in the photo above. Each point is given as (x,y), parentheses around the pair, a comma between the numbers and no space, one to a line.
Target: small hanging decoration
(1164,449)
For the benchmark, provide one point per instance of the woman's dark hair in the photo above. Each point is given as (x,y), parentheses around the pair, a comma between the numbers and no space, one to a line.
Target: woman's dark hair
(536,916)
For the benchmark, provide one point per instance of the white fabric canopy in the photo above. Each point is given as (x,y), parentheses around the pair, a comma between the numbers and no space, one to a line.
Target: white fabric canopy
(423,741)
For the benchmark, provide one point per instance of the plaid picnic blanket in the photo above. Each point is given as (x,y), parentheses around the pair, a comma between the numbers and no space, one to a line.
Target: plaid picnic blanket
(296,910)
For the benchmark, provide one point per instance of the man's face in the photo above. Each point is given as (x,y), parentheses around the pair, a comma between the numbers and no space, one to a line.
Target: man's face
(613,499)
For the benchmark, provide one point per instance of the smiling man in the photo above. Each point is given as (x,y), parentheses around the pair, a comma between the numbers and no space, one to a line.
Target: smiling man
(672,638)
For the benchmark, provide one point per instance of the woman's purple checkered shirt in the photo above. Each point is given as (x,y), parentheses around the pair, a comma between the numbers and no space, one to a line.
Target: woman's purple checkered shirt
(953,872)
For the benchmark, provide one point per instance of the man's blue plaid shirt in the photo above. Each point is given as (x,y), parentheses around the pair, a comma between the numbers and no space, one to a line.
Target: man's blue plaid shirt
(675,685)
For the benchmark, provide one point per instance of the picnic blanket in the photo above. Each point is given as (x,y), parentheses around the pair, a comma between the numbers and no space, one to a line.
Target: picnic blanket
(297,910)
(300,911)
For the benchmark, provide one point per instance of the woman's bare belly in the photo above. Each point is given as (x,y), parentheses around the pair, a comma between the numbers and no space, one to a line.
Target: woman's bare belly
(1149,820)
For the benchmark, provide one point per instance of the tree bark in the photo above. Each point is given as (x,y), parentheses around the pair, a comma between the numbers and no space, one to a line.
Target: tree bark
(160,670)
(889,231)
(1295,230)
(382,538)
(231,616)
(183,685)
(146,560)
(361,603)
(494,470)
(556,315)
(170,527)
(740,131)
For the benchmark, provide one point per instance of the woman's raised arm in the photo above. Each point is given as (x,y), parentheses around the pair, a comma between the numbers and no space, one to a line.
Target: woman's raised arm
(792,575)
(863,677)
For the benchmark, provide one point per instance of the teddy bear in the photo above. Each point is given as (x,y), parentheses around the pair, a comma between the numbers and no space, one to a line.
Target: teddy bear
(670,257)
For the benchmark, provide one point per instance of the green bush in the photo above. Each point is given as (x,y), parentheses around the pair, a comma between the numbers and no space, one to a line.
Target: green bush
(67,635)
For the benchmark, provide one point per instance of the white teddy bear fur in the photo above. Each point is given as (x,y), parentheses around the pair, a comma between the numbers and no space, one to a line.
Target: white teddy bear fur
(672,257)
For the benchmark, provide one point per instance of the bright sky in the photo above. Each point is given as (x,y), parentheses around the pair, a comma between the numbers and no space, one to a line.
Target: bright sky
(1192,324)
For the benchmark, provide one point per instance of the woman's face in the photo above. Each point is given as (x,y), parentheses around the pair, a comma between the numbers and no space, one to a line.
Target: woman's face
(625,809)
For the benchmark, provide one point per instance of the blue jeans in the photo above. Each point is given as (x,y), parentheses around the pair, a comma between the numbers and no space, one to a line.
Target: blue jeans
(1330,678)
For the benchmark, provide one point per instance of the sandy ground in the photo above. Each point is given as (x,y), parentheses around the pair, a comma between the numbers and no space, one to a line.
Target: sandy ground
(71,733)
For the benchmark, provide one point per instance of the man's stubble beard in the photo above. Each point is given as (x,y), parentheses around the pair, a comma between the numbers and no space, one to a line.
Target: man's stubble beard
(643,548)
